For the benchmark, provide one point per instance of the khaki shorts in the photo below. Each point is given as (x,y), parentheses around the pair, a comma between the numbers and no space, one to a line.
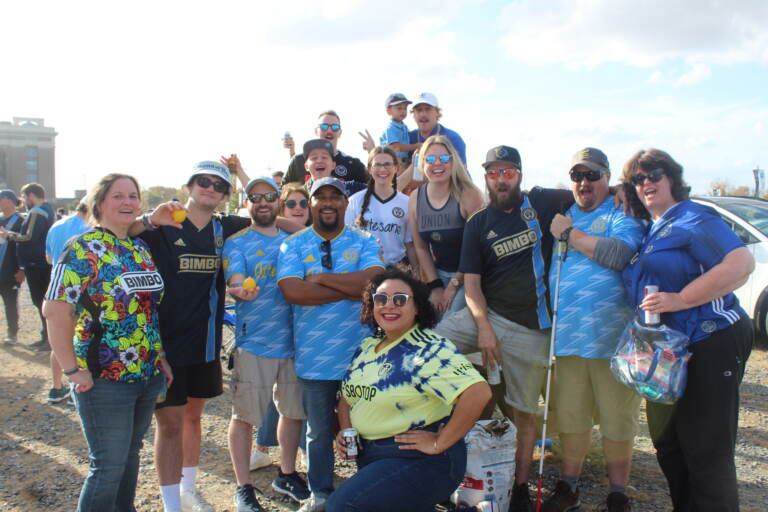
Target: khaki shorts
(523,354)
(587,393)
(256,381)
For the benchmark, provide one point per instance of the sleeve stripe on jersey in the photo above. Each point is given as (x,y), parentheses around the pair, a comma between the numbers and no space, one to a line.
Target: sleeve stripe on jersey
(57,279)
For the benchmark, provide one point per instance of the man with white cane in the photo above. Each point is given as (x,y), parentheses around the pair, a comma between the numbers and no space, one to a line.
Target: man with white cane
(589,314)
(505,255)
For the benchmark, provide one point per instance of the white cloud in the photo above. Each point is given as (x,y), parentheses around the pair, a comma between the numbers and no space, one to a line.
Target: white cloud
(698,73)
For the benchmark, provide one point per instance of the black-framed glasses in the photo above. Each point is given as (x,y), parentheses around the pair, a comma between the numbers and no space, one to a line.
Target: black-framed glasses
(333,126)
(270,197)
(430,159)
(639,178)
(508,173)
(398,299)
(591,175)
(325,246)
(383,165)
(292,203)
(218,185)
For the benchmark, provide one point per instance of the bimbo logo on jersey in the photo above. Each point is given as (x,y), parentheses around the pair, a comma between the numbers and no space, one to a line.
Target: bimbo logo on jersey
(199,263)
(134,282)
(516,243)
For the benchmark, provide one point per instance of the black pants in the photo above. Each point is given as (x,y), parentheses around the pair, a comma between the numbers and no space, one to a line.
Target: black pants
(38,277)
(695,438)
(10,294)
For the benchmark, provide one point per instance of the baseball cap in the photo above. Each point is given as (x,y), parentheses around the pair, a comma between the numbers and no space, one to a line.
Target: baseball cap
(396,99)
(210,167)
(328,182)
(591,158)
(262,179)
(503,154)
(317,144)
(426,98)
(9,194)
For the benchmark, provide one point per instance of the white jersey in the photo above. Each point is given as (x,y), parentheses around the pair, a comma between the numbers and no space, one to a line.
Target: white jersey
(387,221)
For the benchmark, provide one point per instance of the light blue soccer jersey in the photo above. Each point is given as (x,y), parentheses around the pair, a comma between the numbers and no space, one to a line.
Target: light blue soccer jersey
(326,336)
(396,131)
(264,324)
(593,306)
(60,233)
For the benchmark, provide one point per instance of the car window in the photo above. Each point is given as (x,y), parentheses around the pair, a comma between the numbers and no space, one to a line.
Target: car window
(755,214)
(741,232)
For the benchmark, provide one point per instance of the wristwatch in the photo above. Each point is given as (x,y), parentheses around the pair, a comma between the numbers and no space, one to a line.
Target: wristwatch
(566,234)
(145,219)
(455,282)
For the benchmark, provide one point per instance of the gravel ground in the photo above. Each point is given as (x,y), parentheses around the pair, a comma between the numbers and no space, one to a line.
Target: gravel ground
(43,458)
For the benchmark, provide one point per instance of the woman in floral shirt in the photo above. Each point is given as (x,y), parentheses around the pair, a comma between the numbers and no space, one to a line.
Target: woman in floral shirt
(101,309)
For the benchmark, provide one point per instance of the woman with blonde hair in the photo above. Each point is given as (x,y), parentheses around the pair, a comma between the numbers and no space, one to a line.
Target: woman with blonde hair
(438,211)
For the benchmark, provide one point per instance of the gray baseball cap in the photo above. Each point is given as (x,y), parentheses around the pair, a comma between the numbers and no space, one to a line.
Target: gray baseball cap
(261,179)
(328,182)
(591,158)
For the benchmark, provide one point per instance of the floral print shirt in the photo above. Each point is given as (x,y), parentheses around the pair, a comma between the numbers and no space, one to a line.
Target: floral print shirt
(115,289)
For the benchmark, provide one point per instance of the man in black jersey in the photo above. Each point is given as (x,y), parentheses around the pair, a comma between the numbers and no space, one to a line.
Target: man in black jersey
(505,255)
(188,256)
(348,168)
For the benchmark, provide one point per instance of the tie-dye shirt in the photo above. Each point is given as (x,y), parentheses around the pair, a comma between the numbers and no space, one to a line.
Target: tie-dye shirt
(410,383)
(115,289)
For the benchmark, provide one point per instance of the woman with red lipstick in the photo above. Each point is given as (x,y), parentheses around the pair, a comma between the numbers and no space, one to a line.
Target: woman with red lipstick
(696,261)
(412,397)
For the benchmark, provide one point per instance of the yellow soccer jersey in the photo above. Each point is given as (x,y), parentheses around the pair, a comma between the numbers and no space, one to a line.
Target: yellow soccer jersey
(410,383)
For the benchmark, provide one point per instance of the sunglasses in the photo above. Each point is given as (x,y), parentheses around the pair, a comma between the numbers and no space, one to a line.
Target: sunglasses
(591,175)
(325,246)
(398,299)
(639,178)
(508,173)
(269,197)
(292,203)
(334,127)
(218,185)
(430,159)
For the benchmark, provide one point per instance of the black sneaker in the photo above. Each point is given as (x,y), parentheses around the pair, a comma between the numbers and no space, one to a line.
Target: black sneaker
(521,499)
(245,499)
(562,499)
(58,395)
(618,502)
(40,346)
(291,485)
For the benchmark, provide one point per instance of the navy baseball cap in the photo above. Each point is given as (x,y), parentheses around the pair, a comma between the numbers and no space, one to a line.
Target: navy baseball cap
(503,154)
(396,99)
(9,194)
(317,144)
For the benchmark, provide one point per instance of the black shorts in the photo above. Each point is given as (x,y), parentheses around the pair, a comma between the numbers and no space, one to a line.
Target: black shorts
(194,381)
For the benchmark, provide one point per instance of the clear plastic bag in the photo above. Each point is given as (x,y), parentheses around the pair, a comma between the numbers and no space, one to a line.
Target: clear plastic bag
(652,360)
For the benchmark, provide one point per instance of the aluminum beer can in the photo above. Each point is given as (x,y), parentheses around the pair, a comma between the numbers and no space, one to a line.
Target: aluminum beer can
(350,442)
(651,318)
(487,506)
(493,375)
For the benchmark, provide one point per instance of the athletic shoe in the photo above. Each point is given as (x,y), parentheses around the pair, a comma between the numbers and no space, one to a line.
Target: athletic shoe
(191,501)
(41,346)
(521,499)
(562,499)
(314,504)
(58,395)
(618,502)
(291,485)
(245,499)
(259,459)
(10,340)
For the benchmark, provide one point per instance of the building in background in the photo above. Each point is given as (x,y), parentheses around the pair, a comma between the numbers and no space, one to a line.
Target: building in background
(27,150)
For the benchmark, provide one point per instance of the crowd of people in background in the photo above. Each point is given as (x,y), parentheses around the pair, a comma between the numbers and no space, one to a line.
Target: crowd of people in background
(359,289)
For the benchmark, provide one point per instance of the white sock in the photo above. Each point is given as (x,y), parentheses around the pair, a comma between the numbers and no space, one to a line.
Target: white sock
(171,497)
(188,477)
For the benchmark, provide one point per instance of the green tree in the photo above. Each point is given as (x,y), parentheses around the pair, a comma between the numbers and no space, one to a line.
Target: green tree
(153,196)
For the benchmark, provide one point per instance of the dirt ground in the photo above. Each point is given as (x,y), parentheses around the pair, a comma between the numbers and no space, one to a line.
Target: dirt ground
(43,457)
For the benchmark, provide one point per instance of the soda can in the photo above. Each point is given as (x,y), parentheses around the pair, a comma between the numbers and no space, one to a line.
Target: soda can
(350,442)
(651,318)
(487,506)
(493,375)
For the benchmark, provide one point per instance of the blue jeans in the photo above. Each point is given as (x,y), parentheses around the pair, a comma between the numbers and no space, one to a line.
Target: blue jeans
(114,417)
(459,301)
(392,479)
(267,432)
(319,398)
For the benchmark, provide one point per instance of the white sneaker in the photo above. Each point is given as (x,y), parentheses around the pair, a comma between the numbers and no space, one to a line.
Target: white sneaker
(259,459)
(314,504)
(191,501)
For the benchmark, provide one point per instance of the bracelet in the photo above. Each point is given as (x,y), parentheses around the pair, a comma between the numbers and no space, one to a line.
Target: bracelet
(434,446)
(145,219)
(72,371)
(437,283)
(566,234)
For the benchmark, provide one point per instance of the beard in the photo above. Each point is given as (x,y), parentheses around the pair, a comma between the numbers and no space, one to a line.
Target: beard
(264,220)
(508,201)
(328,226)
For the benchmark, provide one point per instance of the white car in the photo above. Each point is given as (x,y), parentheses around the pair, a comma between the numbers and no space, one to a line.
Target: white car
(748,217)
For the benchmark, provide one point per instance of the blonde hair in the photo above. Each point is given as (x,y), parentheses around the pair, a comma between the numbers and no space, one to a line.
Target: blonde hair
(460,180)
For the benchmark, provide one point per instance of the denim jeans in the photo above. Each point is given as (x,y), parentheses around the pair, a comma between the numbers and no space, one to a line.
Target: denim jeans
(459,301)
(267,432)
(114,417)
(319,398)
(392,479)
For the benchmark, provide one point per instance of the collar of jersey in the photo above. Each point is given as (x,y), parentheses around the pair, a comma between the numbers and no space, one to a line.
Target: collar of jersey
(323,238)
(394,343)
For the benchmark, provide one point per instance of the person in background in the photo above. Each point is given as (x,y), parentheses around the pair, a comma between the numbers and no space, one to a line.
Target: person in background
(30,250)
(11,276)
(102,311)
(277,177)
(396,135)
(382,210)
(55,243)
(697,262)
(411,397)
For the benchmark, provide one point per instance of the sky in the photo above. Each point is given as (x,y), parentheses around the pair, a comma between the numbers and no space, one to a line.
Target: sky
(150,88)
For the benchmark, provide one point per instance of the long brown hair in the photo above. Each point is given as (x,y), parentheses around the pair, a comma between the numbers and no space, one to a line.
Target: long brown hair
(378,150)
(99,194)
